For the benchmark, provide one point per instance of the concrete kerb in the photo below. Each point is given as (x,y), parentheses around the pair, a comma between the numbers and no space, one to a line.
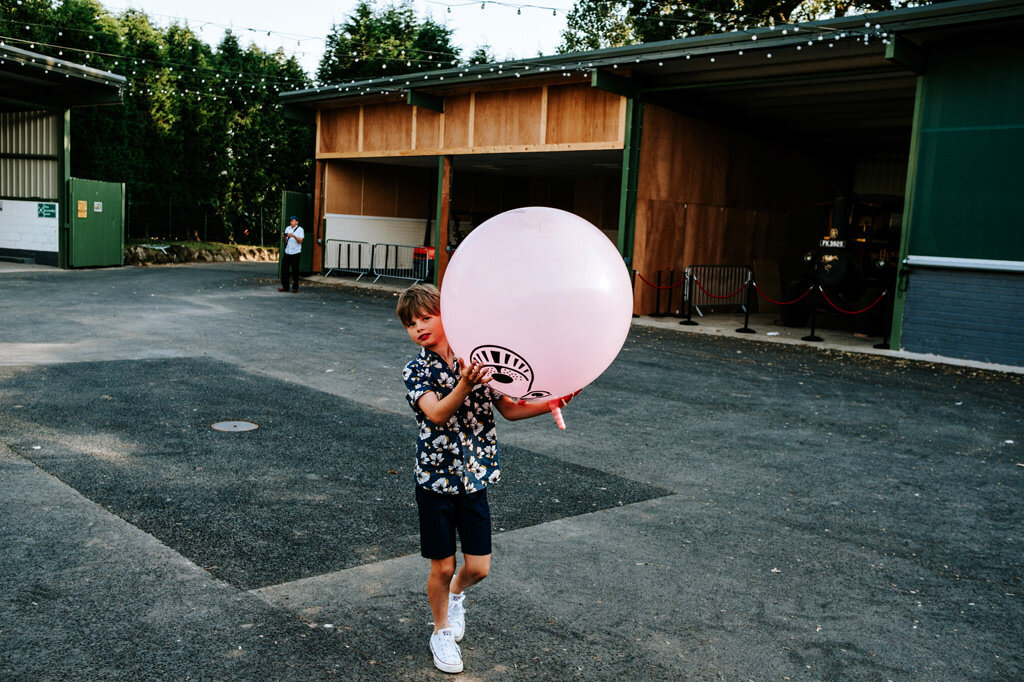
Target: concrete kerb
(768,329)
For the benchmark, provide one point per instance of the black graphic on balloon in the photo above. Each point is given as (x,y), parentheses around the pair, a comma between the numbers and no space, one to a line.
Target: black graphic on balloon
(510,373)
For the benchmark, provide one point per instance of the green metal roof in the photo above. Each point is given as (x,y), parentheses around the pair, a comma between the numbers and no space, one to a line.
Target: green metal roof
(818,46)
(32,81)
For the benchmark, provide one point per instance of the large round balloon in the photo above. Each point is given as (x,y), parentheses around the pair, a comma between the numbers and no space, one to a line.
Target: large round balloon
(541,298)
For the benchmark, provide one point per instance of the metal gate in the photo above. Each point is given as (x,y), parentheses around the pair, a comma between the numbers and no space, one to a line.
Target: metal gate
(96,223)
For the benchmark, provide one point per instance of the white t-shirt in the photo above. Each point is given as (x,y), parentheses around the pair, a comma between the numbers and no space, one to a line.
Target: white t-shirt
(292,246)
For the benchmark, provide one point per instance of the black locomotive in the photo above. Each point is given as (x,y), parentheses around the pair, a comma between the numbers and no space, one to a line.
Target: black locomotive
(854,259)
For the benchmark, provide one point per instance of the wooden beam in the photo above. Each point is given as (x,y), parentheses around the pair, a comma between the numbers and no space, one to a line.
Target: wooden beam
(300,114)
(906,54)
(421,99)
(613,83)
(444,196)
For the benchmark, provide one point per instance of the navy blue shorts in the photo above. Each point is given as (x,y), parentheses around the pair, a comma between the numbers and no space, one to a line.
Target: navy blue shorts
(441,516)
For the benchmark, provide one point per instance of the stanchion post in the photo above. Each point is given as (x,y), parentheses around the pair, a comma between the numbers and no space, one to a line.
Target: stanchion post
(884,343)
(633,276)
(814,319)
(672,278)
(657,305)
(745,329)
(689,301)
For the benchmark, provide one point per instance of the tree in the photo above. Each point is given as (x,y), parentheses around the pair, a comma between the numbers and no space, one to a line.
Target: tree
(597,24)
(481,55)
(372,43)
(594,24)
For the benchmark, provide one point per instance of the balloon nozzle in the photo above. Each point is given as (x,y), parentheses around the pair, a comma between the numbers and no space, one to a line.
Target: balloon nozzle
(556,412)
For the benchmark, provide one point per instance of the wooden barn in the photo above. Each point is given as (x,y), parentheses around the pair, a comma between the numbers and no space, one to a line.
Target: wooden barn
(867,160)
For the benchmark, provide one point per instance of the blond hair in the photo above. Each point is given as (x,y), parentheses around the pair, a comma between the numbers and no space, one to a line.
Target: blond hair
(417,300)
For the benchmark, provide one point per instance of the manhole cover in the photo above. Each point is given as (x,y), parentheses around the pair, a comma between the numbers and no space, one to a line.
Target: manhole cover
(234,426)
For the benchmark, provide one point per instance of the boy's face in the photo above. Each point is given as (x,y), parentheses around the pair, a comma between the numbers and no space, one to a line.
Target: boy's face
(426,330)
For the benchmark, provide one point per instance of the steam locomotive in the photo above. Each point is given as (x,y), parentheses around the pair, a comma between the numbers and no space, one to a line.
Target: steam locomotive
(854,259)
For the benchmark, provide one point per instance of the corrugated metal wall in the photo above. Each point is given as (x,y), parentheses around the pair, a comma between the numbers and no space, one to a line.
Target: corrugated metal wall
(969,176)
(29,155)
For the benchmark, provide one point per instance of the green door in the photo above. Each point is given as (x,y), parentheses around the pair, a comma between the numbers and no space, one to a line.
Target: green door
(300,205)
(97,223)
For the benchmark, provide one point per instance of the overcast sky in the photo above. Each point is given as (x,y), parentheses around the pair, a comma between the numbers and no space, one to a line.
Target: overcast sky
(513,30)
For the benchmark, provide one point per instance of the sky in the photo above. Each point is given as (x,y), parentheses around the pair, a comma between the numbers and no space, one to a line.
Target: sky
(513,29)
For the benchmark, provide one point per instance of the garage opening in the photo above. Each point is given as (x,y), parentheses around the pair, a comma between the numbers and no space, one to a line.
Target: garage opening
(796,171)
(381,213)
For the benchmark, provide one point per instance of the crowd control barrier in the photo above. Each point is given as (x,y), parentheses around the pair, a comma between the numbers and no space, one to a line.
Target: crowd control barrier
(702,280)
(710,285)
(396,261)
(342,255)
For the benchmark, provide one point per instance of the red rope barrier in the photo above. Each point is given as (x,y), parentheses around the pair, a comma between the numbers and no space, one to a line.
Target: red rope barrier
(852,312)
(795,300)
(672,286)
(701,287)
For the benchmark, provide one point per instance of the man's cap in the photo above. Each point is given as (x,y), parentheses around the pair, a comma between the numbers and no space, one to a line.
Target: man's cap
(294,217)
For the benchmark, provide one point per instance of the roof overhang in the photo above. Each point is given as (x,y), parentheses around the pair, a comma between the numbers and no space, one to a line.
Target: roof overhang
(846,84)
(861,43)
(31,81)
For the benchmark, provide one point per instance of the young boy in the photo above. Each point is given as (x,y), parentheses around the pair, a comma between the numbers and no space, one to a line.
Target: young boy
(457,458)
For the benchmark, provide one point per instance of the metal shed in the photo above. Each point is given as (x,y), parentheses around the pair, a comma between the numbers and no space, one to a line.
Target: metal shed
(37,94)
(726,149)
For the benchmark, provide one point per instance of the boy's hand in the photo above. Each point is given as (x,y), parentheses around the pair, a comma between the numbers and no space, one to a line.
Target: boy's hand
(475,373)
(566,399)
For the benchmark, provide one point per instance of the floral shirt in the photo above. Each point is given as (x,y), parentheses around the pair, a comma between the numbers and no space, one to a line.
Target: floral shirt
(460,456)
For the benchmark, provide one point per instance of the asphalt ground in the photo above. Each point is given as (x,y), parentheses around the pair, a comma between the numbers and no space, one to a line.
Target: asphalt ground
(718,509)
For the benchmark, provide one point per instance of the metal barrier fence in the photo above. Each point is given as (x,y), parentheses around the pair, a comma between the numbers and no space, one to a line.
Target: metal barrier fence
(702,280)
(396,261)
(343,255)
(393,260)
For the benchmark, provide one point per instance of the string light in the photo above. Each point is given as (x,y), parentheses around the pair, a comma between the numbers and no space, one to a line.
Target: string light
(241,79)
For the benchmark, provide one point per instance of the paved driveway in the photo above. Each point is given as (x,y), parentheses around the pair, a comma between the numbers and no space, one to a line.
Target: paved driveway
(717,509)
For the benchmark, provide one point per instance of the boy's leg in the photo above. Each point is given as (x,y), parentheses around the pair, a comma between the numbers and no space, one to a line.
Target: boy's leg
(474,569)
(441,572)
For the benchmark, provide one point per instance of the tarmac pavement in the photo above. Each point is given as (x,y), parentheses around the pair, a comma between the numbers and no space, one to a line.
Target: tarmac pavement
(716,510)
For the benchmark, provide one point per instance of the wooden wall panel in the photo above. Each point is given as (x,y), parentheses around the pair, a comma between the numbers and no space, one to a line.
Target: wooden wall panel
(374,190)
(597,200)
(508,118)
(579,113)
(344,188)
(387,128)
(732,191)
(339,131)
(414,192)
(539,118)
(428,129)
(456,121)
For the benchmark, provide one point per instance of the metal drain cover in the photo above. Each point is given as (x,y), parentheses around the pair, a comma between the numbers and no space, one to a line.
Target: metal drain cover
(234,426)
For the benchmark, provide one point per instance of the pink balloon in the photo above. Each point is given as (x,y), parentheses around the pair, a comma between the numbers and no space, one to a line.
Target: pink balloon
(542,298)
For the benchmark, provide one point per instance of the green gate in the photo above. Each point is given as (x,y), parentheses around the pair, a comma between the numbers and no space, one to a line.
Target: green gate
(96,235)
(301,205)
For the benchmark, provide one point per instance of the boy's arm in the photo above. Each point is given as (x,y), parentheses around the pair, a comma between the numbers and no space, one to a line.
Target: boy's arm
(512,410)
(440,410)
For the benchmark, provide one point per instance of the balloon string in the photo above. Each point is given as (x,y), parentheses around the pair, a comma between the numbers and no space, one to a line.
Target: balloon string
(556,412)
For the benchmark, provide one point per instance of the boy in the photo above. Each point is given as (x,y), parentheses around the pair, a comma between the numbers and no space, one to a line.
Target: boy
(457,457)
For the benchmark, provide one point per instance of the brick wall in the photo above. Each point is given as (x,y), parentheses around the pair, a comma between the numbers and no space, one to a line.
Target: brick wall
(965,314)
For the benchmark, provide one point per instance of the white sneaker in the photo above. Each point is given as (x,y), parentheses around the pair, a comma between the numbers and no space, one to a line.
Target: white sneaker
(457,615)
(447,655)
